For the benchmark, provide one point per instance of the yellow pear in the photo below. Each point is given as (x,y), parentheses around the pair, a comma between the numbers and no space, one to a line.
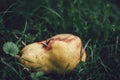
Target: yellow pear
(60,53)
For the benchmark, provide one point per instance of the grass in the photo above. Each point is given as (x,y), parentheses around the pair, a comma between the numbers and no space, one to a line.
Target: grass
(95,21)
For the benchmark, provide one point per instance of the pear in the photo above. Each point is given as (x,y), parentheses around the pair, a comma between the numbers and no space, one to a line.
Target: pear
(60,53)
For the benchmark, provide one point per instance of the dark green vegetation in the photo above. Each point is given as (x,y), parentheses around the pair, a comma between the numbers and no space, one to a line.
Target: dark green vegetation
(95,21)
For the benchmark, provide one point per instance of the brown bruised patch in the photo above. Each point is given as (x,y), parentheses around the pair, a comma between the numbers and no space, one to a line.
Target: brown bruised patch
(60,39)
(49,45)
(64,39)
(69,40)
(51,41)
(46,44)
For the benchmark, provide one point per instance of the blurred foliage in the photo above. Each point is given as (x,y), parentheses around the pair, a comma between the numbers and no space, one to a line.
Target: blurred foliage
(35,20)
(10,48)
